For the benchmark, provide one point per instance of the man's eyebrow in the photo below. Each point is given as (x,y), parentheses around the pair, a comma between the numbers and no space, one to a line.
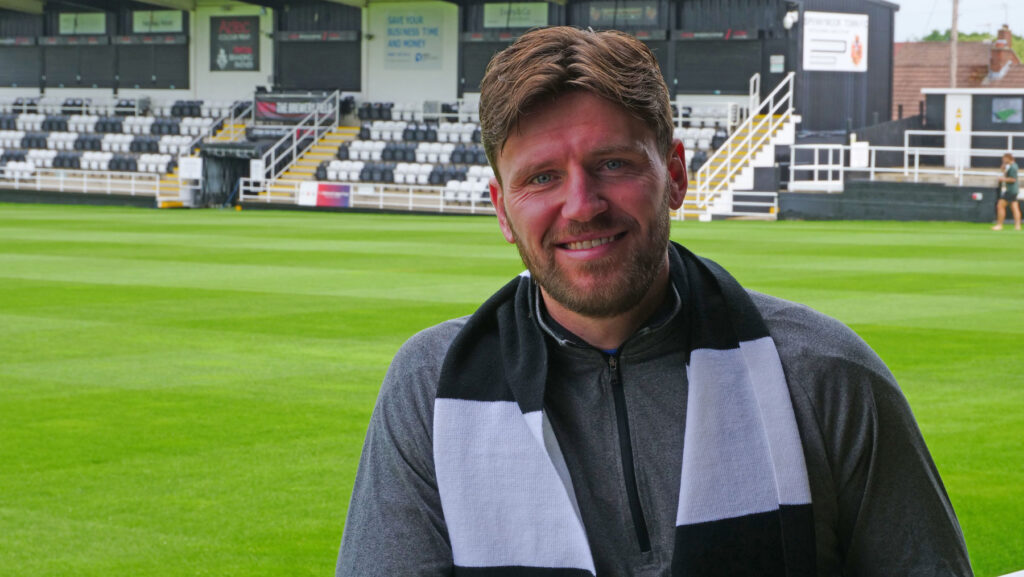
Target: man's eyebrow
(633,147)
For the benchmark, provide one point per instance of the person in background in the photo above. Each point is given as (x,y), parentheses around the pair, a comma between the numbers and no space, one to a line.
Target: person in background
(1008,196)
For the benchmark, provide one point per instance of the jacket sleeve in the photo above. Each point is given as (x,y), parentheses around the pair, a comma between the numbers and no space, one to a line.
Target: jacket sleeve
(395,525)
(880,506)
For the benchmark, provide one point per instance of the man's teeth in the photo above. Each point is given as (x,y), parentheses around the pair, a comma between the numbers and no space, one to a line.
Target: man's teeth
(589,243)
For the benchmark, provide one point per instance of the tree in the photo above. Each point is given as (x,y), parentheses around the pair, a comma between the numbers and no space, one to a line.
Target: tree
(937,36)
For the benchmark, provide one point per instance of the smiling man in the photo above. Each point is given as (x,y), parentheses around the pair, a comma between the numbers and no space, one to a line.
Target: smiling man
(624,407)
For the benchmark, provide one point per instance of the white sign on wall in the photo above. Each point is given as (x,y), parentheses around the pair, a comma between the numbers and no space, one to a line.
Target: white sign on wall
(190,167)
(150,21)
(82,23)
(516,15)
(835,42)
(414,39)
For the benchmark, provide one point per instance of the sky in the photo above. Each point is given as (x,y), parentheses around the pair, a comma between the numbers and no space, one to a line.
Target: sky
(917,18)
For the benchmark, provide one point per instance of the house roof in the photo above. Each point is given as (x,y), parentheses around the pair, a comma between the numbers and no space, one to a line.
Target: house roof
(918,65)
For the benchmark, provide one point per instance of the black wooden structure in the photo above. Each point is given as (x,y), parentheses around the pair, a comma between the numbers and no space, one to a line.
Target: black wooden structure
(703,46)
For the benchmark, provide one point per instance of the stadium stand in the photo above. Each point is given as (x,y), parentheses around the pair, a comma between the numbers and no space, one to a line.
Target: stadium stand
(125,135)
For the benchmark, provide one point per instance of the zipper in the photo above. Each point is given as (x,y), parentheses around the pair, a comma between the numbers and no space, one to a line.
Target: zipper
(626,454)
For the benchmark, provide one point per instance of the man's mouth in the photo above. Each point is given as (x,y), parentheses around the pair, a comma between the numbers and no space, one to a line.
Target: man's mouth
(594,242)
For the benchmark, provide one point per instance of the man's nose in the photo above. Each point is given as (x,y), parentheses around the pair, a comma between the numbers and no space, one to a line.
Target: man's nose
(583,200)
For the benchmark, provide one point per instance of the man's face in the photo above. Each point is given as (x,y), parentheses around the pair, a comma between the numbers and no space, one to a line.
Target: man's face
(585,196)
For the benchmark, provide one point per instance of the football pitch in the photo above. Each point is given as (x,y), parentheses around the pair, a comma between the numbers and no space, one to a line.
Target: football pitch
(186,392)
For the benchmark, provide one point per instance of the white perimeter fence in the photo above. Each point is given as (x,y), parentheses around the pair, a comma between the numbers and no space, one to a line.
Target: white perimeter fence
(84,181)
(824,167)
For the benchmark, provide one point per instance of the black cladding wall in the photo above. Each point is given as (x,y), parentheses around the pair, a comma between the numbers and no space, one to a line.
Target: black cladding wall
(104,65)
(323,65)
(478,43)
(699,51)
(829,100)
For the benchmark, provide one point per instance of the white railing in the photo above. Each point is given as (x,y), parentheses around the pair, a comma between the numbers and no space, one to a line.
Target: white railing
(830,164)
(235,117)
(728,115)
(716,175)
(301,137)
(754,97)
(745,204)
(106,106)
(85,181)
(1009,136)
(372,196)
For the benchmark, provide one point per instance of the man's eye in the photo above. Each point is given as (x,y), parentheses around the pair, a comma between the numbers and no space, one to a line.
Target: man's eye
(614,164)
(541,179)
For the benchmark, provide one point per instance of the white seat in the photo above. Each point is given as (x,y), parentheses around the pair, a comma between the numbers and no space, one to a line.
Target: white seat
(445,155)
(451,190)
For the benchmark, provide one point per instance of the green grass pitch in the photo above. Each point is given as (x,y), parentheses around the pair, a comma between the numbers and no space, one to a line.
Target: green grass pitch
(186,392)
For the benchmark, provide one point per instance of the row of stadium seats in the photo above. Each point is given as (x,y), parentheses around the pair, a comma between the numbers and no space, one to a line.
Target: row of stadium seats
(196,108)
(426,174)
(17,170)
(168,144)
(33,159)
(122,107)
(399,130)
(105,124)
(56,105)
(433,152)
(193,126)
(706,138)
(416,112)
(711,115)
(466,191)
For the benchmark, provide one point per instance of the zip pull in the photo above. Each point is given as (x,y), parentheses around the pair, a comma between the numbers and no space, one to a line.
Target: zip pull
(613,362)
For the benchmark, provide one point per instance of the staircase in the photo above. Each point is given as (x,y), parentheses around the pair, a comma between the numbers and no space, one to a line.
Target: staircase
(725,183)
(304,168)
(294,158)
(171,191)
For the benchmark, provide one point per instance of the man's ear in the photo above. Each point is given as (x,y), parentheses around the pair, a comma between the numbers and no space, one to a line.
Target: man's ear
(498,201)
(678,179)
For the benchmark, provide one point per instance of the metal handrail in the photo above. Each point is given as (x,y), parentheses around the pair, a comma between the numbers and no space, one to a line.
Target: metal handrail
(371,195)
(291,146)
(744,142)
(237,112)
(755,92)
(836,163)
(85,181)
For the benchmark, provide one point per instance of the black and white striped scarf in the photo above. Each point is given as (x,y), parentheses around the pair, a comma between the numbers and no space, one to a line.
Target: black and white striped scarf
(508,500)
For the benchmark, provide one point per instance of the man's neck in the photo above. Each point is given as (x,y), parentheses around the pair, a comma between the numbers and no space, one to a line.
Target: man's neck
(608,333)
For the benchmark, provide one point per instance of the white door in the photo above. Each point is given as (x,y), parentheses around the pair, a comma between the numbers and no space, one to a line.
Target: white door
(958,130)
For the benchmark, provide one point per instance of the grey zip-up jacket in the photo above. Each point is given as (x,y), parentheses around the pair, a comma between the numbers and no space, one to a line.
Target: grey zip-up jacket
(880,508)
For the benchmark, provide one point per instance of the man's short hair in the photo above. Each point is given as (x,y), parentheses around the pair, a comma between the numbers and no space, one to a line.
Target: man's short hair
(547,62)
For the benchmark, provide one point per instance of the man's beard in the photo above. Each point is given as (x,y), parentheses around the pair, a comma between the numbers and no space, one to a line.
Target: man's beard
(625,281)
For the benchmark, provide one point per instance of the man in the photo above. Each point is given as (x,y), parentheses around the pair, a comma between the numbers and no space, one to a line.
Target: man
(625,408)
(1009,193)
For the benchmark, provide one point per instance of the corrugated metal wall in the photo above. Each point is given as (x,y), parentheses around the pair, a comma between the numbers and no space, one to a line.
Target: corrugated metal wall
(715,15)
(472,16)
(318,17)
(20,24)
(836,100)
